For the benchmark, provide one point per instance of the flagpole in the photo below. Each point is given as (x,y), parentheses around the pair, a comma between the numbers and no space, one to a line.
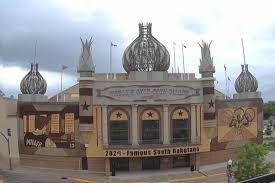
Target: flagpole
(243,53)
(225,82)
(110,58)
(174,56)
(182,45)
(34,59)
(61,85)
(228,86)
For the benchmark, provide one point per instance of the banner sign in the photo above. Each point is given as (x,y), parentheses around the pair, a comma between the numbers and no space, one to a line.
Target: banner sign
(69,123)
(151,152)
(55,124)
(144,92)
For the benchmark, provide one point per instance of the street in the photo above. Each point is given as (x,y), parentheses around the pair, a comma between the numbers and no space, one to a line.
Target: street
(46,177)
(23,177)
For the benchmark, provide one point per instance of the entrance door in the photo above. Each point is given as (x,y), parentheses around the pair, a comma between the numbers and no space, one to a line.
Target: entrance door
(120,164)
(181,161)
(150,163)
(84,163)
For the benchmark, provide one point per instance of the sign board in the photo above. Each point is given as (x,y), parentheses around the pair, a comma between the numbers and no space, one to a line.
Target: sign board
(69,123)
(138,92)
(151,152)
(55,124)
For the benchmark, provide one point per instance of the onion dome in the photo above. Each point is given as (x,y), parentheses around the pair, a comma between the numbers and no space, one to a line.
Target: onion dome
(33,82)
(246,82)
(146,53)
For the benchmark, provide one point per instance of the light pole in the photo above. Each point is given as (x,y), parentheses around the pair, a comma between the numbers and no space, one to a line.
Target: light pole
(8,141)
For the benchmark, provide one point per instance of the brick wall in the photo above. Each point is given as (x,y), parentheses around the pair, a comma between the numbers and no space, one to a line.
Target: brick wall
(217,156)
(50,161)
(96,164)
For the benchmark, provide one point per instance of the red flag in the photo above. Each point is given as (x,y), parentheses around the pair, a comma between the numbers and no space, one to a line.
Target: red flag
(63,67)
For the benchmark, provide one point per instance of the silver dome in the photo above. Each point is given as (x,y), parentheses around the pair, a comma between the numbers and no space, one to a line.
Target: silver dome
(246,82)
(33,82)
(146,53)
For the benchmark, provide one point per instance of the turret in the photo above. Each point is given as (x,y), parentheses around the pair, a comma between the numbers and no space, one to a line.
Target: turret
(207,70)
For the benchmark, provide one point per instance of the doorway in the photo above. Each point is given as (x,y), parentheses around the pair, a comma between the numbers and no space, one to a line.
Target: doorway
(120,164)
(150,163)
(181,161)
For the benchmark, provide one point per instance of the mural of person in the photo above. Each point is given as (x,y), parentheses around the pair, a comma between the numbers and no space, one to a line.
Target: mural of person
(39,138)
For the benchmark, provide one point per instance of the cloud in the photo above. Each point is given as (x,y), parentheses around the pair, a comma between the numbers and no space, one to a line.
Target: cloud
(15,74)
(58,24)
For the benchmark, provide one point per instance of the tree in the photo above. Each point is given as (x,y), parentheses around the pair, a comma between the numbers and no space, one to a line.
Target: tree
(269,127)
(251,161)
(268,109)
(2,94)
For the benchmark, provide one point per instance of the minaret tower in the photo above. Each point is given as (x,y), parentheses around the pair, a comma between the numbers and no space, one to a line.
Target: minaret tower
(86,71)
(207,70)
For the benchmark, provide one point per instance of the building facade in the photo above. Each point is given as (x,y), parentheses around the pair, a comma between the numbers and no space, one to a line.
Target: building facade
(143,119)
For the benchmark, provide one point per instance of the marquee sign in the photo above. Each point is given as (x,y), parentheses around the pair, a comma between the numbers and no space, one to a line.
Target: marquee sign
(140,93)
(151,152)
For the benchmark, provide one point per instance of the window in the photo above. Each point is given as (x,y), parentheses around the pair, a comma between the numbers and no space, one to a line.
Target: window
(150,127)
(118,128)
(181,126)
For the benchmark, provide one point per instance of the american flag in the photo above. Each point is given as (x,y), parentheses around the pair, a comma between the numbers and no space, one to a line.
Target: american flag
(112,44)
(63,67)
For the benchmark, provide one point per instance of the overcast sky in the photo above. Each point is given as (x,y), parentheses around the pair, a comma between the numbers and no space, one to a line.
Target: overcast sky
(58,24)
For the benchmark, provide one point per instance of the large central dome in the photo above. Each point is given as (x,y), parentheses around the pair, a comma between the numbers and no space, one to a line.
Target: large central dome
(146,53)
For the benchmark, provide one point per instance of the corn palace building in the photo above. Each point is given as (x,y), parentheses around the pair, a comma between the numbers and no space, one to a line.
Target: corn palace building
(145,118)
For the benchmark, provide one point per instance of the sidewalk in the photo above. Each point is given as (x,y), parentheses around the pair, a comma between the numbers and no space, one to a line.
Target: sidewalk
(139,176)
(171,175)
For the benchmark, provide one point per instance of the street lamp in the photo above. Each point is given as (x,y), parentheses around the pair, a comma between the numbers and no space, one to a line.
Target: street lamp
(8,141)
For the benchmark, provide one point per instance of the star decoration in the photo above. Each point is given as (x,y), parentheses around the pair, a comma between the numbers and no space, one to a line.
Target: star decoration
(180,113)
(150,114)
(85,106)
(118,115)
(211,104)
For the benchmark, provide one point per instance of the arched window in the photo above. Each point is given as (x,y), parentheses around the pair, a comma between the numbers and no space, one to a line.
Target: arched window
(181,126)
(150,127)
(118,128)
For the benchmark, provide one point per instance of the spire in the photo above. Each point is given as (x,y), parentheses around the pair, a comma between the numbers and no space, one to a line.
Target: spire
(33,82)
(85,59)
(146,53)
(206,61)
(245,82)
